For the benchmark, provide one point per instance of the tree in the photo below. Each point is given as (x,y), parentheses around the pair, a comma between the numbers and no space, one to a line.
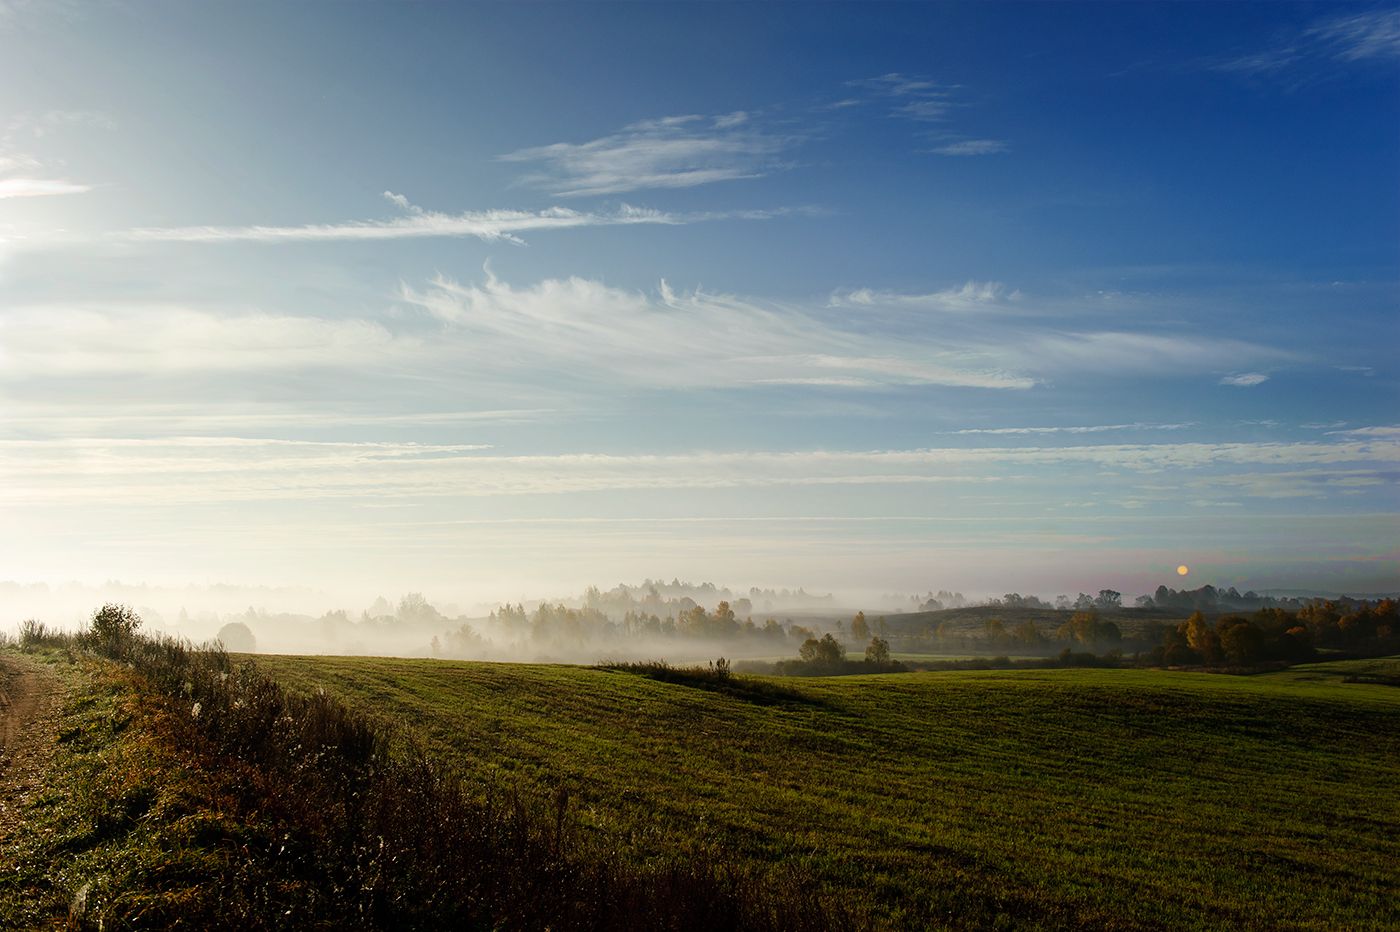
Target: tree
(1240,640)
(878,653)
(1027,633)
(827,652)
(414,608)
(860,630)
(236,636)
(1201,638)
(1086,628)
(113,625)
(723,622)
(996,632)
(1108,600)
(694,622)
(1080,626)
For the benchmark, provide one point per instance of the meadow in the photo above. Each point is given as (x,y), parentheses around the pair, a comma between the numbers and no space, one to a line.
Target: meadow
(1104,798)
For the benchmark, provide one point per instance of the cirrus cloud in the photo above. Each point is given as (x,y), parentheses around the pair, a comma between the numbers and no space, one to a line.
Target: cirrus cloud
(671,152)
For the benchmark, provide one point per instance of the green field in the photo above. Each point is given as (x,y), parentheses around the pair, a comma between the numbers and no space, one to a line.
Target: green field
(1118,798)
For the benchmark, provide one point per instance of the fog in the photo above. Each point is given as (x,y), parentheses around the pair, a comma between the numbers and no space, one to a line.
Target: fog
(676,621)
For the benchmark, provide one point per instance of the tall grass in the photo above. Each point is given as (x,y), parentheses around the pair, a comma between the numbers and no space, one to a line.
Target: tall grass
(392,839)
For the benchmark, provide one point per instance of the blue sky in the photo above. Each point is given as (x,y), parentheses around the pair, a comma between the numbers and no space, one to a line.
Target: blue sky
(498,300)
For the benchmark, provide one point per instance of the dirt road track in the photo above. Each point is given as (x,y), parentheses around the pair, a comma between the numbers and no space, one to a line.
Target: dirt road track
(30,701)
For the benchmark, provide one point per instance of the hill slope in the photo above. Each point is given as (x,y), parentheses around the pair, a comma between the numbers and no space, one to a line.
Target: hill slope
(1082,797)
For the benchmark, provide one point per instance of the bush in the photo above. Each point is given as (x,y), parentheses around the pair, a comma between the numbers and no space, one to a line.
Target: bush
(113,627)
(33,633)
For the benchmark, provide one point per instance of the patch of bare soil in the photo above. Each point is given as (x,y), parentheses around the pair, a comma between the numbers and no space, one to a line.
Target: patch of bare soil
(30,704)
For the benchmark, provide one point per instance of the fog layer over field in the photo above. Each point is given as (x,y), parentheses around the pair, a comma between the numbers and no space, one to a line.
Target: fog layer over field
(675,620)
(679,622)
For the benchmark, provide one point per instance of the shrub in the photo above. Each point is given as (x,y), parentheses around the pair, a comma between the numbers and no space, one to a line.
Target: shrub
(33,633)
(113,627)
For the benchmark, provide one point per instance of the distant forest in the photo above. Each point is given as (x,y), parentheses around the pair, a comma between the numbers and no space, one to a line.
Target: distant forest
(684,621)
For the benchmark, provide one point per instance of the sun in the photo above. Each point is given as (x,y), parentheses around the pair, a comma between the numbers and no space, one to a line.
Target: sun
(1182,570)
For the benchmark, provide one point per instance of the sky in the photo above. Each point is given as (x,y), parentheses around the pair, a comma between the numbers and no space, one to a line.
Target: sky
(500,300)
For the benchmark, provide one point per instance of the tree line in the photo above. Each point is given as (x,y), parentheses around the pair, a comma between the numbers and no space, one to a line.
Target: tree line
(1358,628)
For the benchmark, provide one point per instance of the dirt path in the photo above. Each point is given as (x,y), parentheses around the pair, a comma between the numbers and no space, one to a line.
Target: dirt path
(30,702)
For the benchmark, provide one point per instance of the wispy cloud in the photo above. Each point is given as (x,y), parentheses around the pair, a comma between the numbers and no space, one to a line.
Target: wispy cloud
(212,469)
(1260,63)
(89,340)
(39,187)
(1361,36)
(972,147)
(500,225)
(701,339)
(672,152)
(579,333)
(1369,36)
(1245,380)
(676,338)
(174,419)
(1076,429)
(417,223)
(911,97)
(1385,431)
(930,105)
(969,296)
(1118,351)
(24,175)
(1299,483)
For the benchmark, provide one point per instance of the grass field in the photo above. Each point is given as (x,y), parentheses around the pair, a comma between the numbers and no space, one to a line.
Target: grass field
(1110,798)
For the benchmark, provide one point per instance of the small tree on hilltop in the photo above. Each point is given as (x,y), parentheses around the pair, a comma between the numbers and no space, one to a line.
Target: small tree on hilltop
(860,629)
(236,636)
(113,625)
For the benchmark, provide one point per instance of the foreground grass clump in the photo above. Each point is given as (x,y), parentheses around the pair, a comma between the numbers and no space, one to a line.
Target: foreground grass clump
(1062,798)
(313,821)
(132,830)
